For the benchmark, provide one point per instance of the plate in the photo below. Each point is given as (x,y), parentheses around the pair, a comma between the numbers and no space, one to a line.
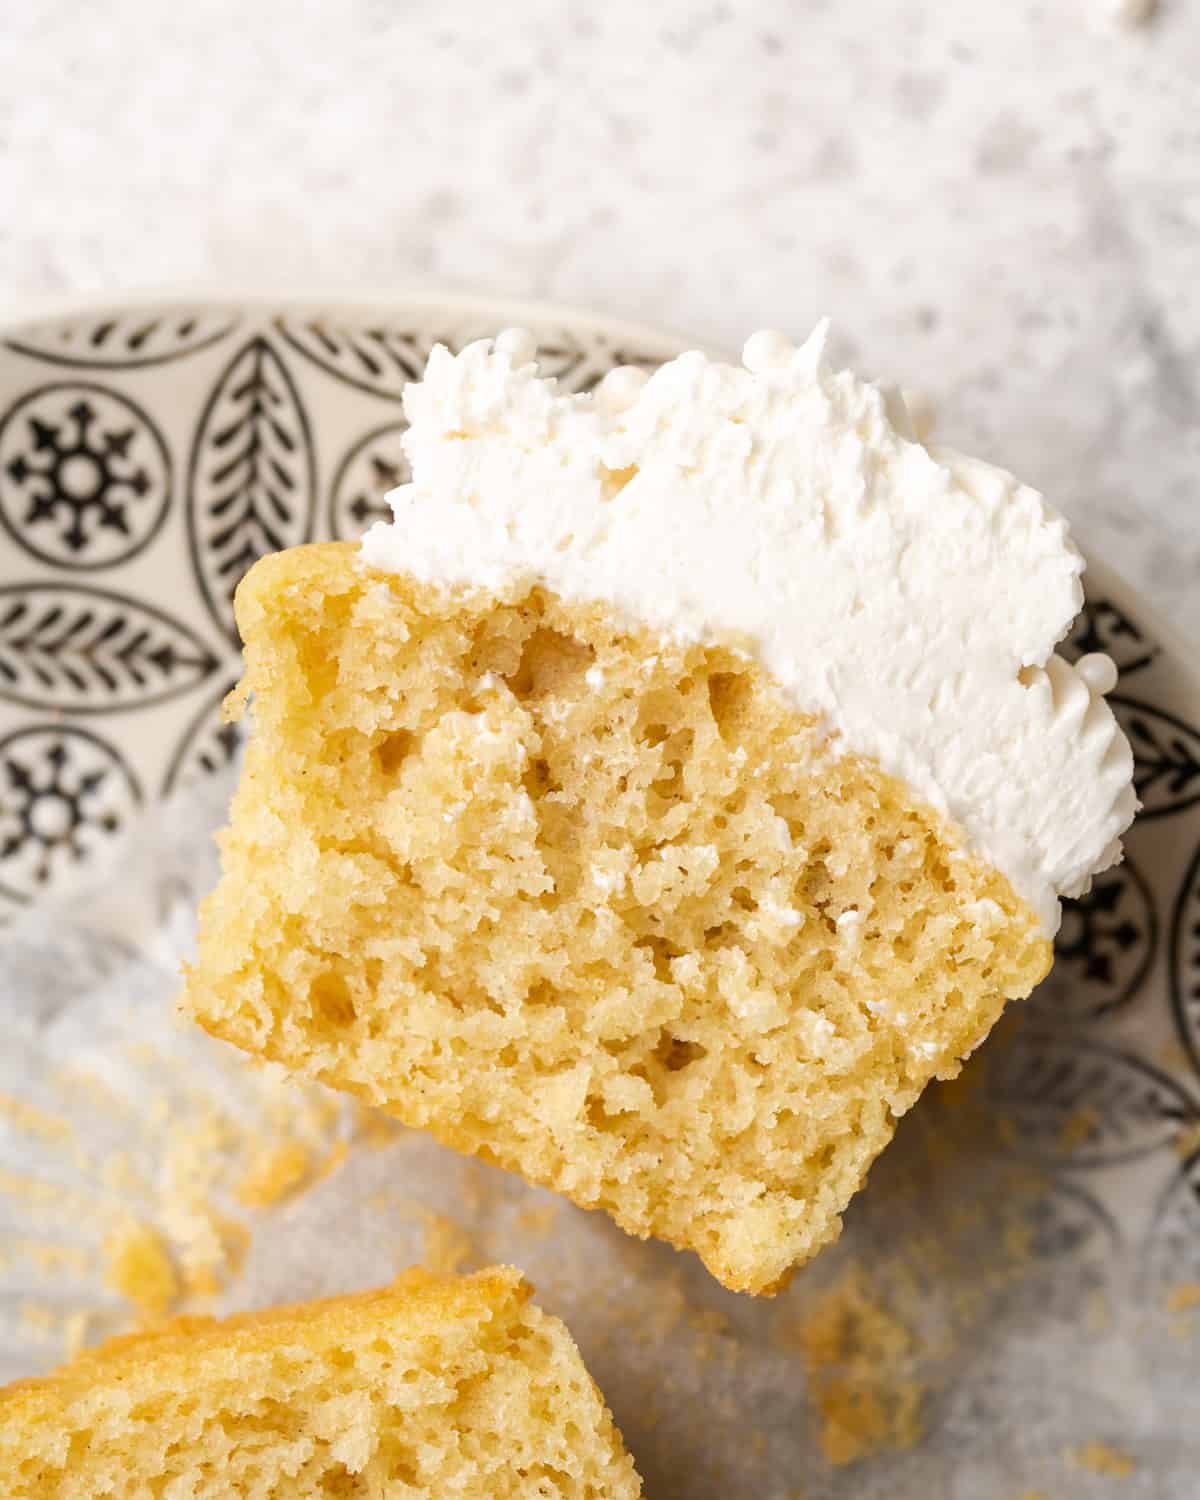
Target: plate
(151,450)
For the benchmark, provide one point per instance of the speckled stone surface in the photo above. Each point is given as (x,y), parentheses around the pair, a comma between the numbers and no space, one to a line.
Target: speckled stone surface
(998,204)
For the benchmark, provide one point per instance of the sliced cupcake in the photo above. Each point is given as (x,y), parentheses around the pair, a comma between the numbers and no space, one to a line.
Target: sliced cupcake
(683,780)
(432,1387)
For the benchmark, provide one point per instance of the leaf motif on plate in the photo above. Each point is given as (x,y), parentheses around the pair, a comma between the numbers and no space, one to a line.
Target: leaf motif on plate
(1184,964)
(1166,757)
(1171,1255)
(64,791)
(381,359)
(1104,626)
(86,650)
(251,478)
(1080,1104)
(207,745)
(580,361)
(11,907)
(124,338)
(1064,1220)
(1104,947)
(375,464)
(370,356)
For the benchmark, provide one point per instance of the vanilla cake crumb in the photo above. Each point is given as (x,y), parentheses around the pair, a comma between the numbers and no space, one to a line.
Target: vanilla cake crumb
(275,1172)
(696,1041)
(433,1387)
(139,1267)
(859,1360)
(1102,1458)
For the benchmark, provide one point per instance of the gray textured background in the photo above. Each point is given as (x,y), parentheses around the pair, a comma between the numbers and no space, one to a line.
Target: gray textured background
(998,204)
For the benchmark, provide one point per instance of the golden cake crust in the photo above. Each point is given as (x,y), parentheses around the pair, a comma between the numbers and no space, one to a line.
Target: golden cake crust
(343,1386)
(175,1349)
(593,904)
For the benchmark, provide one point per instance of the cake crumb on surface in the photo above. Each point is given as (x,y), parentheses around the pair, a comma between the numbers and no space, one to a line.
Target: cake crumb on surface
(448,1247)
(1182,1301)
(859,1358)
(49,1256)
(75,1333)
(274,1173)
(33,1121)
(139,1267)
(538,1218)
(1080,1126)
(1099,1457)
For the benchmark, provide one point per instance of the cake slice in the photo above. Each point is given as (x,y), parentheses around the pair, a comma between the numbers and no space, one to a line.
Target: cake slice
(681,782)
(433,1387)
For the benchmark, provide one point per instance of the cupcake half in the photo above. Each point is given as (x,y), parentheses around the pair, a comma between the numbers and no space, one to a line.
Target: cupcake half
(429,1388)
(679,783)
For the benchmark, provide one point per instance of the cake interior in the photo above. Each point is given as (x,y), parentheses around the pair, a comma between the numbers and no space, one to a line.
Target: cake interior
(596,905)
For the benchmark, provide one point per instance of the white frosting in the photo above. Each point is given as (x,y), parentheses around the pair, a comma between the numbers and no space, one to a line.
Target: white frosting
(908,596)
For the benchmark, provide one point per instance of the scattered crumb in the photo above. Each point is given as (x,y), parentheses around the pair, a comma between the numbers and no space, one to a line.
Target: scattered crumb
(477,1186)
(232,1238)
(140,1269)
(1100,1458)
(45,1322)
(42,1197)
(1098,1313)
(1182,1301)
(274,1173)
(859,1357)
(53,1258)
(75,1333)
(1018,1241)
(119,1175)
(374,1129)
(33,1121)
(40,1319)
(665,1312)
(326,1168)
(1080,1126)
(1006,1132)
(73,1081)
(538,1218)
(448,1247)
(1187,1142)
(859,1421)
(172,1214)
(1172,1056)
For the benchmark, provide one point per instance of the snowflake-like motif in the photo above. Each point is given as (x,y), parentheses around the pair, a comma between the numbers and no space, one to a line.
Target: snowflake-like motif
(1105,945)
(60,788)
(375,465)
(83,476)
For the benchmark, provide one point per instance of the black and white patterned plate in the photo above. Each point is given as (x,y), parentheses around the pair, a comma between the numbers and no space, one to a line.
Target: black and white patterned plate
(150,452)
